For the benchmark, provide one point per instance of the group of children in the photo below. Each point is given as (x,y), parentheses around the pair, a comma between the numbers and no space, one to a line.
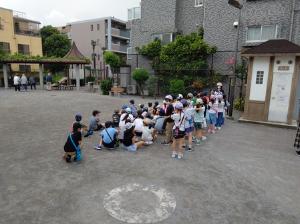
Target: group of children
(183,120)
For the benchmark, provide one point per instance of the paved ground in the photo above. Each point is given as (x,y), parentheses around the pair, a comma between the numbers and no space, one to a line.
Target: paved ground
(244,174)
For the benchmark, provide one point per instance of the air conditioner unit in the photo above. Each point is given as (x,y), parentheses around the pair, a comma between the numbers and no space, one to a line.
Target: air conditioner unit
(131,89)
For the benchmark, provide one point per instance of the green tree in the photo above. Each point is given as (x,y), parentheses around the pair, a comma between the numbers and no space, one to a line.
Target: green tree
(54,45)
(177,87)
(140,75)
(46,32)
(113,60)
(57,45)
(241,73)
(181,59)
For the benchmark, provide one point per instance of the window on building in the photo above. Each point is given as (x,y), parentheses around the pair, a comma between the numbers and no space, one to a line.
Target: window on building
(165,38)
(198,3)
(129,53)
(261,33)
(134,13)
(260,77)
(5,47)
(23,49)
(92,27)
(98,26)
(24,68)
(1,24)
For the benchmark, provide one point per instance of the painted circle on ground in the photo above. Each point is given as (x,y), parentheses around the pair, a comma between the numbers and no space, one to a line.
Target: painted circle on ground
(135,203)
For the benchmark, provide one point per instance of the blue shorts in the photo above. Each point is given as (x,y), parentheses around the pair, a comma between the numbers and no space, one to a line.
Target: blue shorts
(189,130)
(131,148)
(212,119)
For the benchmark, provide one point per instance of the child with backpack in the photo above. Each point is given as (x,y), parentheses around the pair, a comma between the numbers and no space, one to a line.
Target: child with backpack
(108,137)
(72,145)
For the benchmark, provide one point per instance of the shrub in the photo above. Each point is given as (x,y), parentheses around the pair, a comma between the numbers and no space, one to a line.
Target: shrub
(106,86)
(56,78)
(177,86)
(90,79)
(239,104)
(140,75)
(152,85)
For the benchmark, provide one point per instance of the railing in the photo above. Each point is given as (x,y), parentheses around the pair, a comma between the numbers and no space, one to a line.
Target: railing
(27,32)
(120,33)
(120,48)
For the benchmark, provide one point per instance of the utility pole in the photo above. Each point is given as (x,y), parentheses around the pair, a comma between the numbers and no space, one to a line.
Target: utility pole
(93,43)
(236,4)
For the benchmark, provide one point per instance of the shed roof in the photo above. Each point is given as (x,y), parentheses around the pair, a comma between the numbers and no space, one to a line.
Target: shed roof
(279,46)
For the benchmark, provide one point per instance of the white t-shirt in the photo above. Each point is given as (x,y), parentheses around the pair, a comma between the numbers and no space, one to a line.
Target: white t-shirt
(16,80)
(138,125)
(221,107)
(178,121)
(199,115)
(122,123)
(189,117)
(147,134)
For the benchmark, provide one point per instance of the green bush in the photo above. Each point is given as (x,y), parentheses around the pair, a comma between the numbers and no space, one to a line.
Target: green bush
(140,75)
(152,85)
(90,79)
(56,78)
(112,59)
(177,86)
(106,86)
(239,104)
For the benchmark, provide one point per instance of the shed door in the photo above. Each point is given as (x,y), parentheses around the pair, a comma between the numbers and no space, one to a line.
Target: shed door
(284,67)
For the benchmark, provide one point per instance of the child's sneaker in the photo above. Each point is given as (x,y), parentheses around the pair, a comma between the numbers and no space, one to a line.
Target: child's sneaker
(213,131)
(198,142)
(190,149)
(174,154)
(180,156)
(203,138)
(97,147)
(194,139)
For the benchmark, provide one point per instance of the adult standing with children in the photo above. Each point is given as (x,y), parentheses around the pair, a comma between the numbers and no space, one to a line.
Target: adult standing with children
(24,82)
(17,83)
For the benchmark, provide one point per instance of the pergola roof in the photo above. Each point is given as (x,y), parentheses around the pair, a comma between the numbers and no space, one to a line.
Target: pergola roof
(272,47)
(74,56)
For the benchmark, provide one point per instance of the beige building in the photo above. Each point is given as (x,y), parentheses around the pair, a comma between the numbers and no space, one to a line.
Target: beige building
(19,35)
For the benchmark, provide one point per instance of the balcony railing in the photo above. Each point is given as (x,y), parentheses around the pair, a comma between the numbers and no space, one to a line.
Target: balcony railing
(120,33)
(119,48)
(27,32)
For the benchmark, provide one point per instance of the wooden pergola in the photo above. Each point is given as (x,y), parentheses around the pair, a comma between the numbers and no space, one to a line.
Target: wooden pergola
(73,57)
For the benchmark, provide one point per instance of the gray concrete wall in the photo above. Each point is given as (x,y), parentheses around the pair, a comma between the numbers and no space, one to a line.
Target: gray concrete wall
(158,16)
(188,17)
(296,30)
(219,30)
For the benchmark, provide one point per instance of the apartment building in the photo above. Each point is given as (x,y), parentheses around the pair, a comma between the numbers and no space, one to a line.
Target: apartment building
(19,35)
(93,37)
(260,21)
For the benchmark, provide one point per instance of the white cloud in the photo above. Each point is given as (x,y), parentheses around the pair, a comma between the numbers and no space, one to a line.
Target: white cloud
(60,12)
(57,18)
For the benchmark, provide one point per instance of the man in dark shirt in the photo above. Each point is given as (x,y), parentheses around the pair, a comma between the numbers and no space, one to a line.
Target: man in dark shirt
(70,146)
(169,123)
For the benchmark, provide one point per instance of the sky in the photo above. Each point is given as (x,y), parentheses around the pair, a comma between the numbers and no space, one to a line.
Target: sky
(60,12)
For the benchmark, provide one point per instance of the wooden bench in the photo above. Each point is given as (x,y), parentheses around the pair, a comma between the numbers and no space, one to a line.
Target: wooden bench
(116,91)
